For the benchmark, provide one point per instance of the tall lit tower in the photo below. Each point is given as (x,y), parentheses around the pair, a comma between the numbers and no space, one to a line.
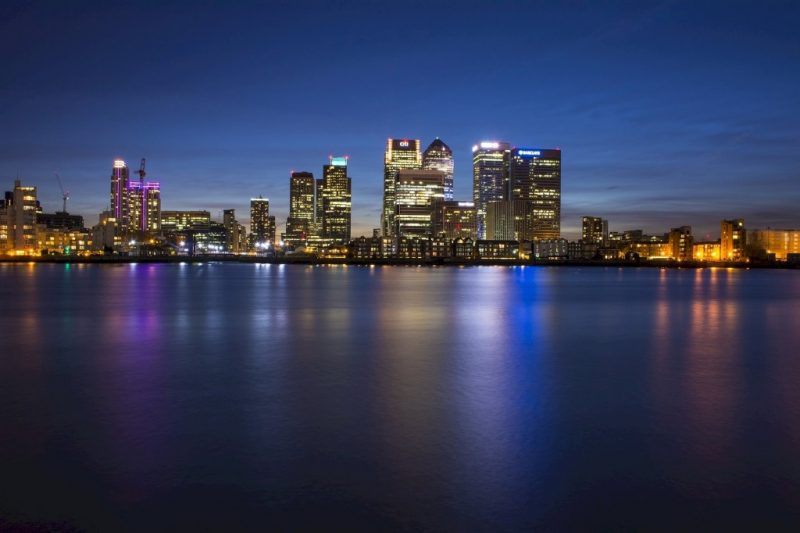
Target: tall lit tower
(400,154)
(419,193)
(120,178)
(143,217)
(259,220)
(336,201)
(439,156)
(301,207)
(489,177)
(535,176)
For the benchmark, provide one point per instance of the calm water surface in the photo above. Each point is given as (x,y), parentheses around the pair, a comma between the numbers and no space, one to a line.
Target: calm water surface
(231,396)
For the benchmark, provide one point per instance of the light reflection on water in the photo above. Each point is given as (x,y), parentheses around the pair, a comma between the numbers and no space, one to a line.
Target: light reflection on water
(228,395)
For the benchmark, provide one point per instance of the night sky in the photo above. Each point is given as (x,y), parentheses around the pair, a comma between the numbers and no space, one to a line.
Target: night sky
(667,113)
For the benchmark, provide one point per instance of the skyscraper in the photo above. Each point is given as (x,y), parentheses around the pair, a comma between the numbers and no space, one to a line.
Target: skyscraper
(336,201)
(120,178)
(301,207)
(144,208)
(259,221)
(489,177)
(400,154)
(439,156)
(319,212)
(417,194)
(535,176)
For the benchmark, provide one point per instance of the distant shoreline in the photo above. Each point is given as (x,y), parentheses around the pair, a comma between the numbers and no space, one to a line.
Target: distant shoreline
(449,262)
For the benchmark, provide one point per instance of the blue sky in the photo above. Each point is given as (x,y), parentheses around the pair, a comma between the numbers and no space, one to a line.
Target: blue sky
(667,113)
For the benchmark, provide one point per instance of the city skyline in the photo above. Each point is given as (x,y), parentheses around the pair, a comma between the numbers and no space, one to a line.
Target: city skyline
(666,116)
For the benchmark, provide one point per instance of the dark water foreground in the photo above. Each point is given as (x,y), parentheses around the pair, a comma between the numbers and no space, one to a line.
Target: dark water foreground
(234,396)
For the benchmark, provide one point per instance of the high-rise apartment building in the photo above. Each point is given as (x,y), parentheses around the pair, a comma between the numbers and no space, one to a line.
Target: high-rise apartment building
(417,194)
(535,176)
(18,220)
(235,233)
(260,221)
(301,207)
(120,178)
(400,154)
(336,201)
(144,208)
(135,204)
(733,239)
(439,156)
(490,161)
(594,230)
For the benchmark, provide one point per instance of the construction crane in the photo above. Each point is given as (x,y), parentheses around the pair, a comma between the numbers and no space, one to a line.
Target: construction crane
(64,193)
(141,171)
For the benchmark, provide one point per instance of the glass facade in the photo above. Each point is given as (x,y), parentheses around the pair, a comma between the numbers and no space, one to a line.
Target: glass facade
(336,201)
(418,193)
(400,154)
(489,177)
(301,207)
(439,156)
(535,176)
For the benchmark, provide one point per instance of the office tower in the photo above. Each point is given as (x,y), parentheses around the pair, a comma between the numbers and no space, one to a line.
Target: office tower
(594,230)
(535,176)
(508,220)
(319,184)
(681,242)
(120,179)
(18,220)
(439,156)
(733,239)
(489,177)
(780,242)
(301,207)
(400,154)
(336,201)
(144,208)
(172,221)
(417,193)
(259,221)
(456,220)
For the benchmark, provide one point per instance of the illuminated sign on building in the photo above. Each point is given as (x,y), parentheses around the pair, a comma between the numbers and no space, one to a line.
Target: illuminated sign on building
(339,161)
(490,145)
(466,204)
(529,152)
(404,144)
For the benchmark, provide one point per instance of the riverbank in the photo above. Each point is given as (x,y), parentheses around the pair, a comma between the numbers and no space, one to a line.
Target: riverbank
(308,260)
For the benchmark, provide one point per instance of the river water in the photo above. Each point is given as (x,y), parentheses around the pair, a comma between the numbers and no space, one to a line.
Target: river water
(256,397)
